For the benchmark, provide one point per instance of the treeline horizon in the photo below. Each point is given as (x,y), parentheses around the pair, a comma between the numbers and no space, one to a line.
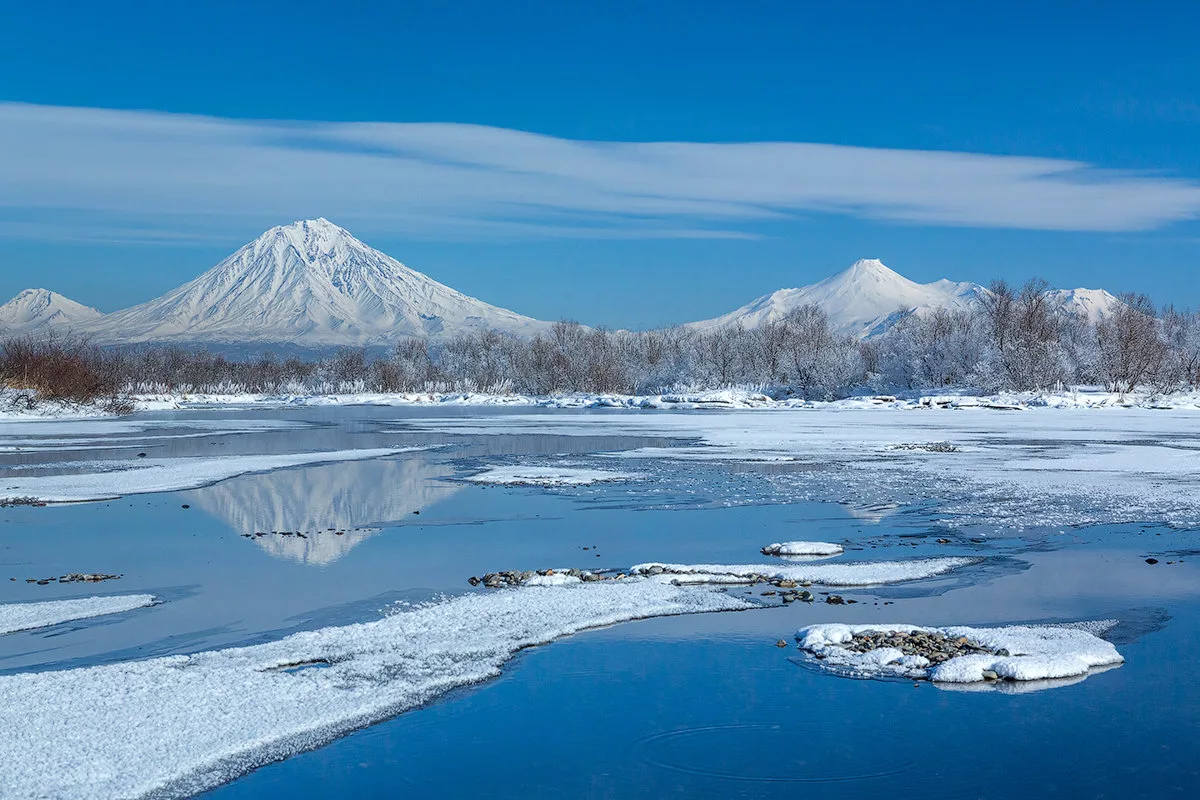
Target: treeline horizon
(1012,340)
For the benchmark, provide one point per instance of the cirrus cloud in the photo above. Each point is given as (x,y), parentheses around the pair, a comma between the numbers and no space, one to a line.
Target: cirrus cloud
(173,173)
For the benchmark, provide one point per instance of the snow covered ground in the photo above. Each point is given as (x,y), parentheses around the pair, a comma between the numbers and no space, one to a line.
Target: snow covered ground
(741,399)
(549,476)
(175,726)
(27,616)
(147,475)
(1035,652)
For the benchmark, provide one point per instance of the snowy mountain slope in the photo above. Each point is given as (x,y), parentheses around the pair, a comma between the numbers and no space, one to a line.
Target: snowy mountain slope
(1092,304)
(868,298)
(39,310)
(862,300)
(308,283)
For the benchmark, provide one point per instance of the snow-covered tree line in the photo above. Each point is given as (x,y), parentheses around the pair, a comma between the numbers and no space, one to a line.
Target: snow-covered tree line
(1014,339)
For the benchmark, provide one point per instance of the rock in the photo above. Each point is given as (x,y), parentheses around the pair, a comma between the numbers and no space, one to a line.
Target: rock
(835,600)
(473,580)
(1151,560)
(781,643)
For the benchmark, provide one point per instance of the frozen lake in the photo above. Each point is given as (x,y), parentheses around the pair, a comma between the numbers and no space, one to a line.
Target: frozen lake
(249,527)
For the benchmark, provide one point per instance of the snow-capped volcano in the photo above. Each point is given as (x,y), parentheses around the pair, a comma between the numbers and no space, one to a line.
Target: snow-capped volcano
(862,300)
(313,284)
(868,298)
(36,310)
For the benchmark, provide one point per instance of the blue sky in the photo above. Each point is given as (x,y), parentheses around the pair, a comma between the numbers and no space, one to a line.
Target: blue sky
(623,164)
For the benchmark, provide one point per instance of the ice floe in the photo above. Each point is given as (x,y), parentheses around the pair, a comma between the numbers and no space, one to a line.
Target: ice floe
(1013,652)
(859,573)
(549,476)
(27,616)
(803,549)
(175,726)
(146,475)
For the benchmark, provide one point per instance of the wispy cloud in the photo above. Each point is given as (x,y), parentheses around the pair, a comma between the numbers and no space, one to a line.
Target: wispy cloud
(181,174)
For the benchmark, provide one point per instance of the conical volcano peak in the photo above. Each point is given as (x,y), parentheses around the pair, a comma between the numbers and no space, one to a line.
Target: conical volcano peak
(311,238)
(311,283)
(870,266)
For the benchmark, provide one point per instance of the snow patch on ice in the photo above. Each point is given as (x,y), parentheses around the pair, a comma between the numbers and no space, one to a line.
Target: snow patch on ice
(863,573)
(1036,652)
(549,476)
(27,616)
(803,549)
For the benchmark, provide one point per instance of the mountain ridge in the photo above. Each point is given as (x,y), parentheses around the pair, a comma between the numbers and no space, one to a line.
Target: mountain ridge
(312,285)
(868,297)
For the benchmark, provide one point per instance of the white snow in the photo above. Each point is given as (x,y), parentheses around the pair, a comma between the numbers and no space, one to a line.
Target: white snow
(178,725)
(549,476)
(862,573)
(807,549)
(715,400)
(867,298)
(312,284)
(147,475)
(862,300)
(27,616)
(1037,652)
(559,577)
(37,310)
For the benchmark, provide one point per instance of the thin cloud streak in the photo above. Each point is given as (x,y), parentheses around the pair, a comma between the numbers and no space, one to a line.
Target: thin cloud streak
(188,174)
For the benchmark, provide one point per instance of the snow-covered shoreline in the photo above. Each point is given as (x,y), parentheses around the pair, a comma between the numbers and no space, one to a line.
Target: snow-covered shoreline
(175,726)
(723,399)
(716,400)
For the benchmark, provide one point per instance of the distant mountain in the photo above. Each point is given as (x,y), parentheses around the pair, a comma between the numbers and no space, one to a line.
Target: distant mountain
(868,298)
(1092,304)
(40,310)
(310,284)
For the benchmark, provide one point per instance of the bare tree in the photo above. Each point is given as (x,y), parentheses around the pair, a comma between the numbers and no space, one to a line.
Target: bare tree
(1131,347)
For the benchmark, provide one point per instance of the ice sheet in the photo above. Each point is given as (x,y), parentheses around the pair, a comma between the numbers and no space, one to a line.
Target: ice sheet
(549,476)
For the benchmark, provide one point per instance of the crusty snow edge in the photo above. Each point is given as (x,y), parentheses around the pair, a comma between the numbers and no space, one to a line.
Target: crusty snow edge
(860,573)
(1036,652)
(549,476)
(821,549)
(175,726)
(28,616)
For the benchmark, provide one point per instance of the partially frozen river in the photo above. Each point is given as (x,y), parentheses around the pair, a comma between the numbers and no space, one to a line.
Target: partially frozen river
(313,633)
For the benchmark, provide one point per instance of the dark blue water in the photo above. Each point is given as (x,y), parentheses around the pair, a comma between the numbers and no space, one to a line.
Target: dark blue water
(690,706)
